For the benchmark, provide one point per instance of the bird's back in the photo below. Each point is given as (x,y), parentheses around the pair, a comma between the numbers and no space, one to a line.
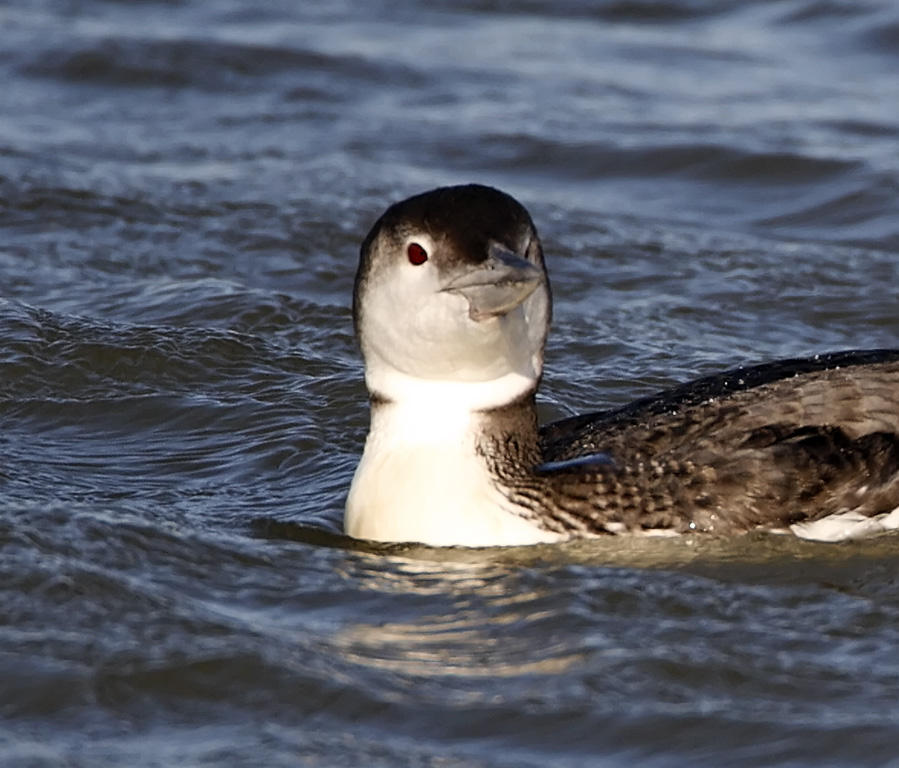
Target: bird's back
(770,445)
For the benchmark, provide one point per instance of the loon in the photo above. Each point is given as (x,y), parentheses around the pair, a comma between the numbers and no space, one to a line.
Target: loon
(451,308)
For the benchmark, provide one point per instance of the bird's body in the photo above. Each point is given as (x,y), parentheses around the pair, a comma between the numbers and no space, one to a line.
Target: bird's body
(770,446)
(452,308)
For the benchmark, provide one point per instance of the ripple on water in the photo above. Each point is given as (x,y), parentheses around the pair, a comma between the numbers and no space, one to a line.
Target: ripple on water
(183,190)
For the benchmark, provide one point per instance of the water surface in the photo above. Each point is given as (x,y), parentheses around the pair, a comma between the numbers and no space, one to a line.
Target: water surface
(183,190)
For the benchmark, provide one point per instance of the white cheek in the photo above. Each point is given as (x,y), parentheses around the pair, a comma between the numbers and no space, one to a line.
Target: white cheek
(439,339)
(417,329)
(407,320)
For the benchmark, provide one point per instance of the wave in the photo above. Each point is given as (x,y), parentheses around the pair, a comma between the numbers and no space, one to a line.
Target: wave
(199,63)
(700,161)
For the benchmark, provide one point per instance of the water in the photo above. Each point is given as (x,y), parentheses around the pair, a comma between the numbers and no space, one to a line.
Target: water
(183,188)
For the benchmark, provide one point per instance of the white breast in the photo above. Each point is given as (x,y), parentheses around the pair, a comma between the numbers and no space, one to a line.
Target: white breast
(420,478)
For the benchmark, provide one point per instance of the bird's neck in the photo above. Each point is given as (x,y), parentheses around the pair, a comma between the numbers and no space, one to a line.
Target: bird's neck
(387,384)
(428,472)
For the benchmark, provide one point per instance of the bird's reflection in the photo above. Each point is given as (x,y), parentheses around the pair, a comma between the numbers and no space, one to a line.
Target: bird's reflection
(459,619)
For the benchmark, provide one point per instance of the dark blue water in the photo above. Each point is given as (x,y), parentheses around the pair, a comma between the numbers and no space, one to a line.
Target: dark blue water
(183,190)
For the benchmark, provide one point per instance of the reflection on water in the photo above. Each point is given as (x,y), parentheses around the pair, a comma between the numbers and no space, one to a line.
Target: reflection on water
(482,623)
(479,618)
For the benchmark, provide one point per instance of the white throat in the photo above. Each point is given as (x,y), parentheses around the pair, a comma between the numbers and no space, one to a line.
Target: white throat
(421,478)
(456,397)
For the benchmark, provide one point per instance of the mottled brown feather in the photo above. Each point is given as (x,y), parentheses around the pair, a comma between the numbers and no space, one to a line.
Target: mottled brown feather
(766,446)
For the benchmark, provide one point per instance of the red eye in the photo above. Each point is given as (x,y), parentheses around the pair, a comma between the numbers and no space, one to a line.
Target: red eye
(417,255)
